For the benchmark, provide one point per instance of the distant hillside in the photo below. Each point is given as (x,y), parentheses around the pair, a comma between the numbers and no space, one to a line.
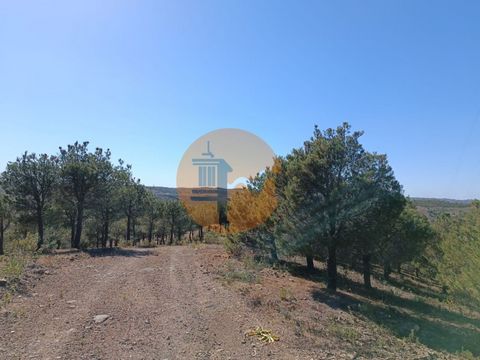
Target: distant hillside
(168,193)
(432,208)
(165,193)
(428,206)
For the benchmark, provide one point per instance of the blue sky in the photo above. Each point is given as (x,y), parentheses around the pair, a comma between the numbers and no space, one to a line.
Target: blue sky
(146,78)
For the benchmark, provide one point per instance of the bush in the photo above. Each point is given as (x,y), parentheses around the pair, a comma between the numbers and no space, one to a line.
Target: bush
(26,245)
(234,273)
(460,256)
(234,246)
(55,238)
(213,237)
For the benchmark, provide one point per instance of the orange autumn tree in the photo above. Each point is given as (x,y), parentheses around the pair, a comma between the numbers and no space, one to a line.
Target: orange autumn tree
(203,213)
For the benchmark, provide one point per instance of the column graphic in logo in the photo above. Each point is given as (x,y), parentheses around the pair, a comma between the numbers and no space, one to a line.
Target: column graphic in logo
(214,172)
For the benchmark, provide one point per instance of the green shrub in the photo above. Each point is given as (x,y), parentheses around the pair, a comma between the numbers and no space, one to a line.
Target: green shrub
(12,266)
(234,246)
(459,261)
(213,237)
(345,332)
(19,245)
(233,273)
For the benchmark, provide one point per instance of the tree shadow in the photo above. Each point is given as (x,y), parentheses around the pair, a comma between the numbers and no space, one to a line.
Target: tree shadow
(120,252)
(301,271)
(408,282)
(415,305)
(432,331)
(415,288)
(433,326)
(388,298)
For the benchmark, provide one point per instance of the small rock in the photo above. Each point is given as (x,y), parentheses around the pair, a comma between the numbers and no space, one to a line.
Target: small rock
(100,318)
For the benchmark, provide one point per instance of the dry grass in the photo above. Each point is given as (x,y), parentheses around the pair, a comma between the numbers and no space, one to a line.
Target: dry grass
(402,319)
(18,254)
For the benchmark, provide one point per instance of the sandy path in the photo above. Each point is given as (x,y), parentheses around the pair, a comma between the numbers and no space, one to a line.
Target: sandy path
(161,303)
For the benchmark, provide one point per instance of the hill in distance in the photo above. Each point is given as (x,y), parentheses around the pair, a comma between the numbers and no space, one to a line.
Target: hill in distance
(164,193)
(431,207)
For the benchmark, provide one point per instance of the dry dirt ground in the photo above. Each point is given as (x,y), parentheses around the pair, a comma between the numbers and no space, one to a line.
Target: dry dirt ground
(161,303)
(182,302)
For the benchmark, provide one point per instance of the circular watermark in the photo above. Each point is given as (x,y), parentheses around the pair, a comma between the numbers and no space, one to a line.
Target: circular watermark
(214,175)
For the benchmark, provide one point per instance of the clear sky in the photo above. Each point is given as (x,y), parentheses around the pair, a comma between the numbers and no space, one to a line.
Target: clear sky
(146,78)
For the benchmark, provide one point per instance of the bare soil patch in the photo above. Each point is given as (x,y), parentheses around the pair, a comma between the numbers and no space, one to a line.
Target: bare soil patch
(161,304)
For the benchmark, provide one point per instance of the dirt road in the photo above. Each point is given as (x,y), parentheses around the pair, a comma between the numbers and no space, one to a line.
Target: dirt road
(161,304)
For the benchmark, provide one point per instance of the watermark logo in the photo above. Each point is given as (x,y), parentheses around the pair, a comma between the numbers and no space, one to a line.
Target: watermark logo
(213,176)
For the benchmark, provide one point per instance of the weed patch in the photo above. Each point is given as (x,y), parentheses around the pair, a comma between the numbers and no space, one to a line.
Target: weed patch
(345,332)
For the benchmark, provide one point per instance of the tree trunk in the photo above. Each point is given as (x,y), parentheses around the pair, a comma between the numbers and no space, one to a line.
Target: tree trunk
(200,233)
(40,228)
(386,271)
(367,271)
(79,227)
(106,229)
(150,232)
(2,229)
(332,268)
(273,251)
(399,268)
(129,224)
(310,264)
(72,231)
(171,235)
(133,232)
